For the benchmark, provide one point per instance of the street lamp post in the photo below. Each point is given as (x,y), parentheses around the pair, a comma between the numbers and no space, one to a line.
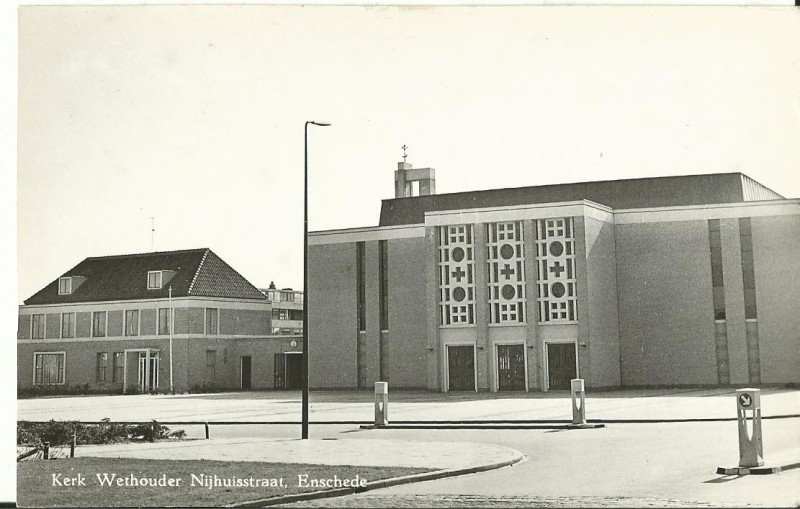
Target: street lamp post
(305,283)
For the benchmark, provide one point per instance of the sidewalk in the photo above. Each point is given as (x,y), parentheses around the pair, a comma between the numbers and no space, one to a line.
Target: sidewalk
(357,452)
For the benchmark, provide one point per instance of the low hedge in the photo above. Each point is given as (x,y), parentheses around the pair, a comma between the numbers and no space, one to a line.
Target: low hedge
(107,432)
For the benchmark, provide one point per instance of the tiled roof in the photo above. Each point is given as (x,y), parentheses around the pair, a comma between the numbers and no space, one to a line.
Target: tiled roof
(124,277)
(617,194)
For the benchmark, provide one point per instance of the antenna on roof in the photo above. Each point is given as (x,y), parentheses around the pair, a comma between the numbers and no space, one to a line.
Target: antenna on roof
(152,233)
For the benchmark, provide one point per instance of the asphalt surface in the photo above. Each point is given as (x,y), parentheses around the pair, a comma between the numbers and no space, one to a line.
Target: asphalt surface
(622,465)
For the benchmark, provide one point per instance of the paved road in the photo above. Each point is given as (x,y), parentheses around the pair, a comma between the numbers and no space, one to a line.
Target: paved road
(621,465)
(479,501)
(664,464)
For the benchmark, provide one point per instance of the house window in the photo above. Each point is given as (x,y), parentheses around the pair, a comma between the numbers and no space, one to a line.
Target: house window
(48,368)
(280,314)
(67,325)
(154,278)
(118,361)
(211,365)
(212,321)
(287,296)
(295,314)
(98,324)
(64,285)
(132,322)
(163,321)
(101,373)
(37,327)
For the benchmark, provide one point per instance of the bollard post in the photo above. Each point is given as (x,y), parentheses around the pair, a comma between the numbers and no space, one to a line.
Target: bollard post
(381,403)
(46,450)
(578,401)
(751,451)
(206,431)
(73,444)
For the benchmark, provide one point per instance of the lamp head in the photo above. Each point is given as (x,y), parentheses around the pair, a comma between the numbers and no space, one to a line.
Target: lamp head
(323,124)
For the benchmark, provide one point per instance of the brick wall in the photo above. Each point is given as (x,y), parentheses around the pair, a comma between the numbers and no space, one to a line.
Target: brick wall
(776,247)
(665,304)
(407,340)
(602,334)
(332,316)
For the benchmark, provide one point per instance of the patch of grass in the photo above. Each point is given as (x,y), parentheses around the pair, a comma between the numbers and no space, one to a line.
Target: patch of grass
(38,481)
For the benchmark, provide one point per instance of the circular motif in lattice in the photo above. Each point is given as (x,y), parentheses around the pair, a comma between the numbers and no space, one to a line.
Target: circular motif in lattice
(556,248)
(508,292)
(459,294)
(458,254)
(507,251)
(557,290)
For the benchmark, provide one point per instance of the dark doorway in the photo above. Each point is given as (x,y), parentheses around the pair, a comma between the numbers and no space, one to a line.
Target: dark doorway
(461,368)
(288,370)
(246,373)
(294,370)
(560,365)
(511,367)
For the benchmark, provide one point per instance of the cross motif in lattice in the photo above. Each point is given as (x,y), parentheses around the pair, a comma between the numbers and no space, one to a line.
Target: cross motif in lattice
(507,271)
(557,269)
(458,274)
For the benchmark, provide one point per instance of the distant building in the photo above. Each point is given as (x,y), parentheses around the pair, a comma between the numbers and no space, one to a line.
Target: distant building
(287,309)
(108,323)
(669,281)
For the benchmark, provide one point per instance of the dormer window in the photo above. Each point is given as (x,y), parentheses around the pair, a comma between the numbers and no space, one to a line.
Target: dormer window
(64,285)
(154,280)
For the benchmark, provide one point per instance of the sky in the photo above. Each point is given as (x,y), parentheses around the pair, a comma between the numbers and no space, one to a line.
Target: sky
(193,115)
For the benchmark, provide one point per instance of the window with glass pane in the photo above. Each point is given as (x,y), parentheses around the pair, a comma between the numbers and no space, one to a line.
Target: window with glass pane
(37,327)
(212,321)
(118,365)
(163,321)
(102,367)
(64,285)
(132,322)
(98,324)
(67,325)
(48,368)
(211,365)
(154,280)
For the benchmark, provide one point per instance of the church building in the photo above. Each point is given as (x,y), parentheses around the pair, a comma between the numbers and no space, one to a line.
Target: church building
(650,282)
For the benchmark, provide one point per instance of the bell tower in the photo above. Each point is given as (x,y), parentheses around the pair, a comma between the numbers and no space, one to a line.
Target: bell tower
(406,175)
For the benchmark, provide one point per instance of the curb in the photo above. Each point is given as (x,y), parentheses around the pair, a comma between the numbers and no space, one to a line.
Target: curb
(484,426)
(383,483)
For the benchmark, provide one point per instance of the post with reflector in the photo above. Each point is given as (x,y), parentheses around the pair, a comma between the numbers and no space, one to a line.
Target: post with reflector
(381,403)
(751,449)
(578,401)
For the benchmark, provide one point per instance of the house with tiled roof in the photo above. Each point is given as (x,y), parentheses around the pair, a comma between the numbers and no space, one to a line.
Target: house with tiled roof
(148,322)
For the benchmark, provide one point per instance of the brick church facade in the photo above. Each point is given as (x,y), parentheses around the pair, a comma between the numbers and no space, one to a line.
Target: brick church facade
(668,281)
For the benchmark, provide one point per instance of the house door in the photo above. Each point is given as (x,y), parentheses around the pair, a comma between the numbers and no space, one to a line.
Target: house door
(246,373)
(288,370)
(461,368)
(561,367)
(148,378)
(511,367)
(294,370)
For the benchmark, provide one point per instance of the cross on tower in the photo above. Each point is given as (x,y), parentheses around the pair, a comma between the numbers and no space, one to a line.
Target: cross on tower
(404,153)
(458,274)
(507,271)
(557,269)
